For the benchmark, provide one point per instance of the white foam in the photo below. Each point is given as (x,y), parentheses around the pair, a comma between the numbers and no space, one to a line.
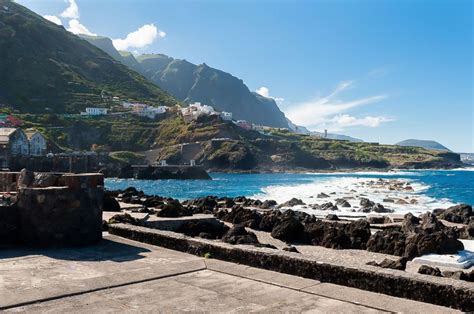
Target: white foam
(353,189)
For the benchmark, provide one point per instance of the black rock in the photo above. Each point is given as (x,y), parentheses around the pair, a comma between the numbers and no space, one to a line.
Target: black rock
(173,208)
(332,217)
(428,270)
(268,204)
(289,230)
(342,202)
(322,195)
(239,235)
(124,218)
(291,203)
(290,249)
(388,241)
(399,264)
(241,215)
(457,214)
(203,229)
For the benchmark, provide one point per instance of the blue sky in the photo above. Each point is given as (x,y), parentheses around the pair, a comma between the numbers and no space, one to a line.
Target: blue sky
(380,70)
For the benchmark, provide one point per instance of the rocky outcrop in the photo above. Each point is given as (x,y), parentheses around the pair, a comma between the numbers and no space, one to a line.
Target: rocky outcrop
(203,229)
(291,203)
(416,237)
(399,264)
(239,235)
(173,208)
(458,214)
(289,229)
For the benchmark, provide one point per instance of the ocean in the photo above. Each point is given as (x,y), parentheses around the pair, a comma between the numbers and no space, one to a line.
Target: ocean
(430,189)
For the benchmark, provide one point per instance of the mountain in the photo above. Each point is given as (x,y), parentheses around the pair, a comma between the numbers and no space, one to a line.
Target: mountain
(423,143)
(44,66)
(189,83)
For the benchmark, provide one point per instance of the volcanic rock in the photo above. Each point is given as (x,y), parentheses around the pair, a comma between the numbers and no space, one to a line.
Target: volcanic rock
(239,235)
(289,230)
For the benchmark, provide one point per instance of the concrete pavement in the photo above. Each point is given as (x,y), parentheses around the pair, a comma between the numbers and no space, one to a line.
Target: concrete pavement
(123,275)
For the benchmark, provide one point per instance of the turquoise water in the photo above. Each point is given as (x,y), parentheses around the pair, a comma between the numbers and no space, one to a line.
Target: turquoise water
(432,188)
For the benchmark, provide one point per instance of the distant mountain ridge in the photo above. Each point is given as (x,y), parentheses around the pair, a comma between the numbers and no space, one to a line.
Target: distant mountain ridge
(190,83)
(428,144)
(45,68)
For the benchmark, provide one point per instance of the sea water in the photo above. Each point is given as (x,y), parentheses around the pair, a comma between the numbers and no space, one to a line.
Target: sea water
(431,188)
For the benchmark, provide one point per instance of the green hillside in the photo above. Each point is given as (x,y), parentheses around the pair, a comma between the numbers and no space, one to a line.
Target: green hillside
(43,67)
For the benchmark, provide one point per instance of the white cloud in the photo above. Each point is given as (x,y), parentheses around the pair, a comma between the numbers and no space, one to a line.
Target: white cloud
(328,112)
(265,92)
(77,28)
(53,18)
(140,38)
(72,11)
(345,121)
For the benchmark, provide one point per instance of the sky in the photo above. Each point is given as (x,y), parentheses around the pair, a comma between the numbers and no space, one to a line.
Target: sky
(379,70)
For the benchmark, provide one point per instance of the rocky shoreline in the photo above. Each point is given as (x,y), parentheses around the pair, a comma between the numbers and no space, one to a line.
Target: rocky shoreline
(239,218)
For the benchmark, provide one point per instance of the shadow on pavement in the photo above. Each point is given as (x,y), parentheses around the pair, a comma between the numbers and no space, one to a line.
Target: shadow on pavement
(105,250)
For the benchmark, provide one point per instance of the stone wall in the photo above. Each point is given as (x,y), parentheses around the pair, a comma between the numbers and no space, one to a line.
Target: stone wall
(442,291)
(54,209)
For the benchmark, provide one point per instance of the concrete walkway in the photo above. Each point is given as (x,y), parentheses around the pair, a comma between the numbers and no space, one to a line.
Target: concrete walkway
(122,275)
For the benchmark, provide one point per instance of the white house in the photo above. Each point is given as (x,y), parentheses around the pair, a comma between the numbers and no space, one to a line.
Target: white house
(226,116)
(151,112)
(195,110)
(13,142)
(37,143)
(94,111)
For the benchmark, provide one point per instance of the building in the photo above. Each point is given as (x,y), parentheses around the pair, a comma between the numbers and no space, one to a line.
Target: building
(244,124)
(151,112)
(13,142)
(226,116)
(38,144)
(144,110)
(195,110)
(94,111)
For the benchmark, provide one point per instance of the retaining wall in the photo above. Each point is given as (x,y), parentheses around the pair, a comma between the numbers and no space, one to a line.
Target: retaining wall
(442,291)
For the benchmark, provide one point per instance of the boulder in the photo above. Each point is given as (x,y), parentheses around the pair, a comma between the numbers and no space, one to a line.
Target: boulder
(203,229)
(332,217)
(359,233)
(290,248)
(268,204)
(457,214)
(328,206)
(428,270)
(388,241)
(173,208)
(203,204)
(399,264)
(365,202)
(269,220)
(342,202)
(289,230)
(378,220)
(291,203)
(239,235)
(437,242)
(241,215)
(322,195)
(123,219)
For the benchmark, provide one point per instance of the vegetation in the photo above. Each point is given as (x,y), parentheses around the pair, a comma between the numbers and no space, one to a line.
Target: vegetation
(44,68)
